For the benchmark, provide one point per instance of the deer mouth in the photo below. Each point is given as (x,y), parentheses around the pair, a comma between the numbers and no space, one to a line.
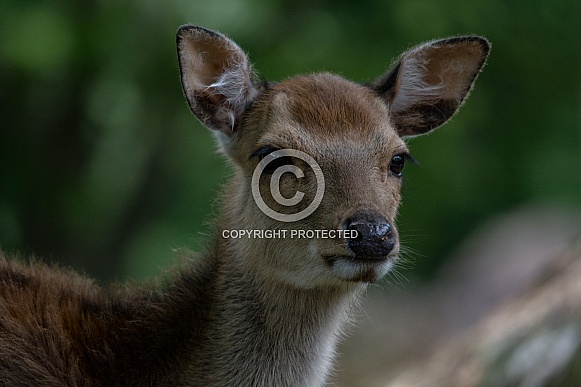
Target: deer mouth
(360,269)
(331,259)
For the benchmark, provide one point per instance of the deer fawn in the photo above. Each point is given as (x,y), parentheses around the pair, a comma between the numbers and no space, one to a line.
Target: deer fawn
(267,302)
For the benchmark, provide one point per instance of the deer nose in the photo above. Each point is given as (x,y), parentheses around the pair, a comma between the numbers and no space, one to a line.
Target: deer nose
(374,236)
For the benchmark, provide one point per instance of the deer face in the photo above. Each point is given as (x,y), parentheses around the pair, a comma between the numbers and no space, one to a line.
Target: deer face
(321,128)
(345,128)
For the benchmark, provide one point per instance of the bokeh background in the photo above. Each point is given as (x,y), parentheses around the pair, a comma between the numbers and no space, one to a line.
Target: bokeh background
(104,168)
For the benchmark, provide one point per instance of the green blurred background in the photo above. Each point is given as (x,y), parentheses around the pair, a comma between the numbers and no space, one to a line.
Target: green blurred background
(104,168)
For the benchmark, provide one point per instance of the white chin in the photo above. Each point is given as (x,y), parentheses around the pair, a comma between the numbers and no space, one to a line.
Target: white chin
(360,270)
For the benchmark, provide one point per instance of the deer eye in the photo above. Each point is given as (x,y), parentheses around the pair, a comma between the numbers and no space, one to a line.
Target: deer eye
(397,164)
(274,164)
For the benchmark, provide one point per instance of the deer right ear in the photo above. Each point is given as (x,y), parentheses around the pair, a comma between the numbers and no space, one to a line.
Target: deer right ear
(216,77)
(430,82)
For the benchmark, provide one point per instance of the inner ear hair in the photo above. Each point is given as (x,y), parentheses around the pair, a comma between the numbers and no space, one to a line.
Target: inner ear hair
(430,82)
(217,77)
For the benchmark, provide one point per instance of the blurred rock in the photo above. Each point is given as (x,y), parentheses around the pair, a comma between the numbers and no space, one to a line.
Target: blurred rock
(531,340)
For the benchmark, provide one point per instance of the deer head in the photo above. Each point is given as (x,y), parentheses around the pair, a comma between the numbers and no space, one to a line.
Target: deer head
(317,125)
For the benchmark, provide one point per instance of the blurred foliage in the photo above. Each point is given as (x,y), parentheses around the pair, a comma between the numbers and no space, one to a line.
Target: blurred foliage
(103,167)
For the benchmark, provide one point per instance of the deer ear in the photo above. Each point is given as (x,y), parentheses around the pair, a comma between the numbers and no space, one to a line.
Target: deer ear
(429,82)
(216,77)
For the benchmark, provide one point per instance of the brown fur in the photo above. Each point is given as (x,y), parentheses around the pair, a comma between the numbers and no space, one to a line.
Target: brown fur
(250,312)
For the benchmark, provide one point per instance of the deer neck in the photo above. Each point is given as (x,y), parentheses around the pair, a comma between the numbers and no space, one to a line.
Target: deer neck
(265,333)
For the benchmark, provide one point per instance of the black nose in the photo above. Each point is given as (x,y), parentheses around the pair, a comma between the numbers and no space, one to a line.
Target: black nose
(374,238)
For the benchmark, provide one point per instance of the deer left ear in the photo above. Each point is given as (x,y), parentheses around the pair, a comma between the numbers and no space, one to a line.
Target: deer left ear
(430,82)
